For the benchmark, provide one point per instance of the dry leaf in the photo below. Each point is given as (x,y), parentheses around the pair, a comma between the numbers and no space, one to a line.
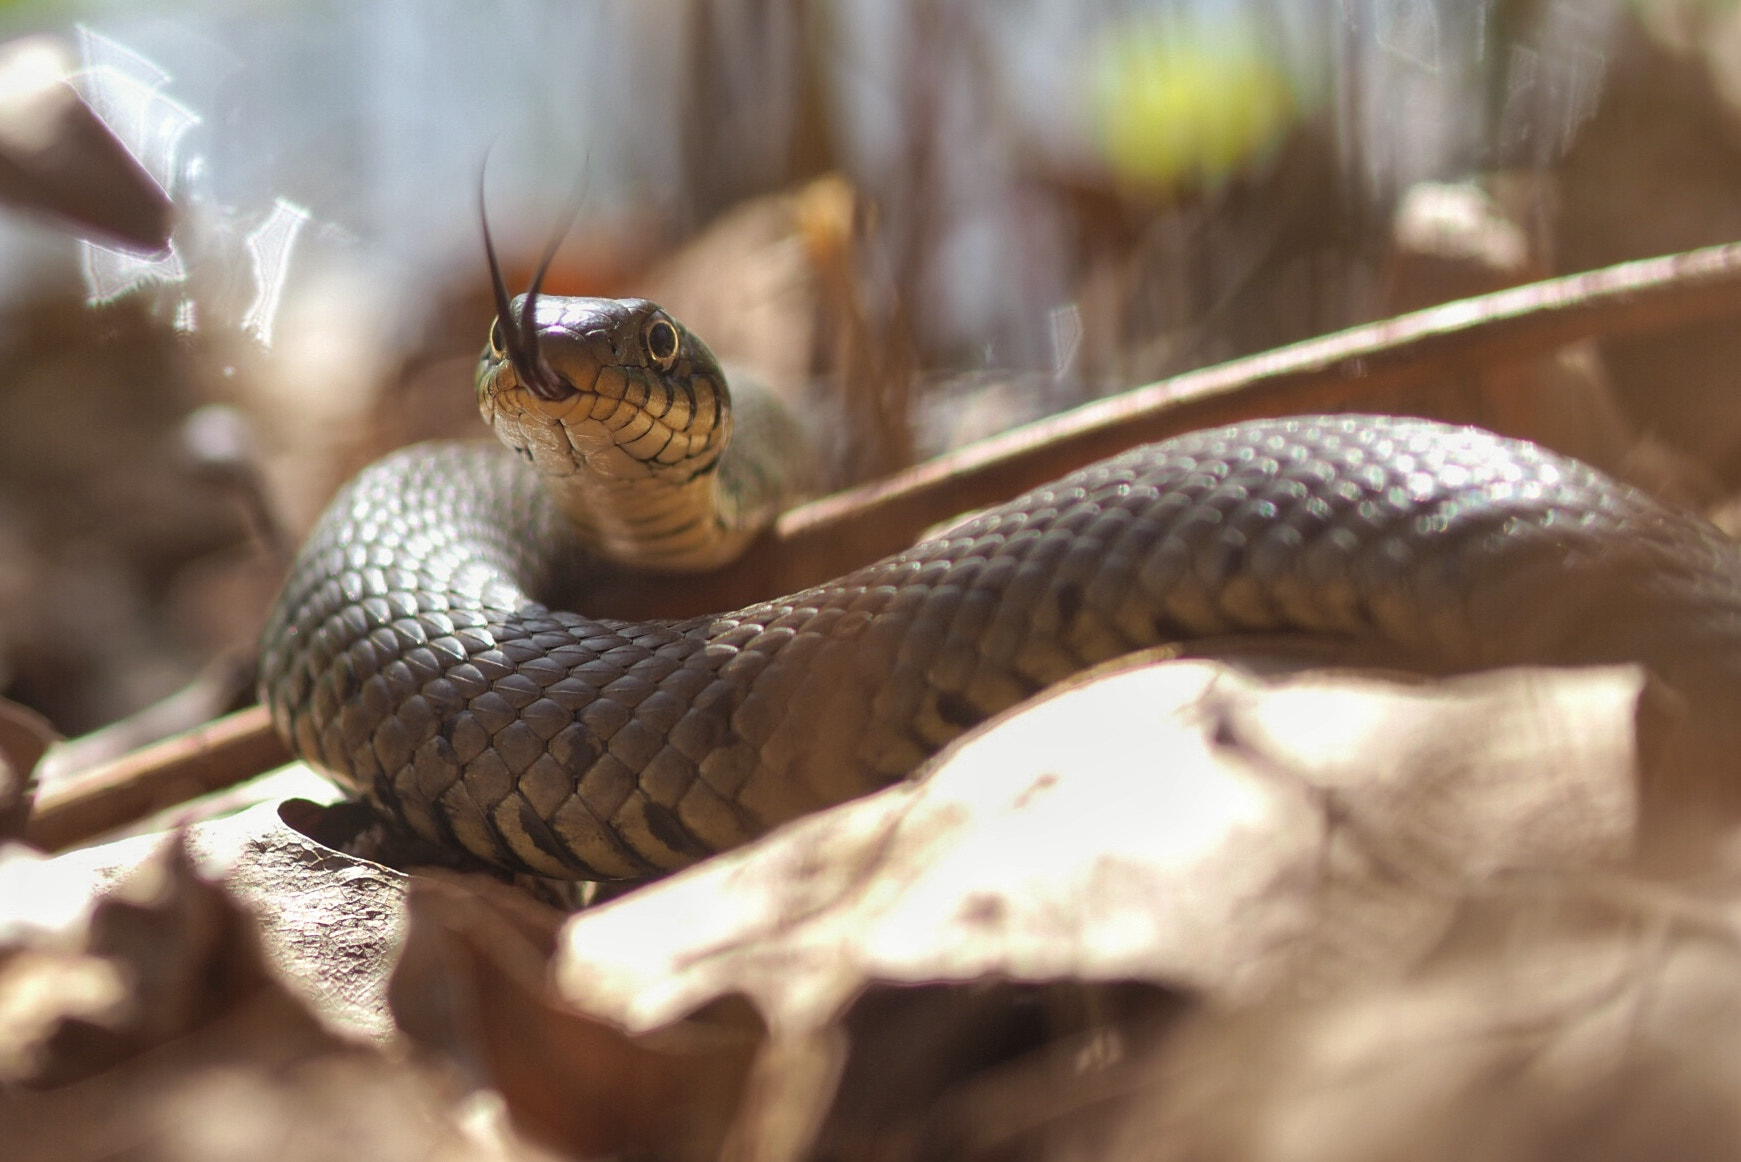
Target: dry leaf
(1115,831)
(1579,1018)
(1181,824)
(331,923)
(177,1042)
(473,984)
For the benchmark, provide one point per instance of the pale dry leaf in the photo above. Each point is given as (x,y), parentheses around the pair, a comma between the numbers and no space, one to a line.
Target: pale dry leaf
(258,1082)
(1575,1017)
(205,1053)
(472,985)
(331,923)
(42,986)
(1183,824)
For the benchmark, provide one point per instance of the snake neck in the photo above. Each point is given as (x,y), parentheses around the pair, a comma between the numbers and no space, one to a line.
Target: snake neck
(667,527)
(707,521)
(664,520)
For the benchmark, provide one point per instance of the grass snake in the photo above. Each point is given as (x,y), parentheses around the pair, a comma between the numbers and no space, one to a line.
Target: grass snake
(420,650)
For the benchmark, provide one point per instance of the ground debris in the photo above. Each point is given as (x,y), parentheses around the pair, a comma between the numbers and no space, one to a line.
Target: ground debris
(1202,832)
(161,1031)
(1024,950)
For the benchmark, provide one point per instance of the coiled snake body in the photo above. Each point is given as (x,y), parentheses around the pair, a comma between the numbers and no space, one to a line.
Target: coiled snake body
(417,653)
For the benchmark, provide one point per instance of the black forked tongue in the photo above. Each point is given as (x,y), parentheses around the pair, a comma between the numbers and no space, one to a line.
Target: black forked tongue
(520,336)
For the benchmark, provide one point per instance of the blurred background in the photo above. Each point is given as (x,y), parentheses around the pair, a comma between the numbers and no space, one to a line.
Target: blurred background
(930,219)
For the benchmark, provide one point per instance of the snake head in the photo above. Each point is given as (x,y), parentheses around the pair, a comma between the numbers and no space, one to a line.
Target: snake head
(619,388)
(631,444)
(626,415)
(630,448)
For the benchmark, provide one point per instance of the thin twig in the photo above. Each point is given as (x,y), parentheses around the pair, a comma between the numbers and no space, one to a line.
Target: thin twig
(1315,375)
(211,757)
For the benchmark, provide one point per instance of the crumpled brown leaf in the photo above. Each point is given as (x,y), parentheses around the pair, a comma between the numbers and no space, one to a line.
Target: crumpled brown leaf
(470,986)
(1182,824)
(1582,1017)
(1117,830)
(1215,834)
(331,923)
(180,954)
(175,1040)
(473,985)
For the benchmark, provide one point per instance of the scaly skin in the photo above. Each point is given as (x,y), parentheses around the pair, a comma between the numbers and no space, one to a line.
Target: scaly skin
(411,656)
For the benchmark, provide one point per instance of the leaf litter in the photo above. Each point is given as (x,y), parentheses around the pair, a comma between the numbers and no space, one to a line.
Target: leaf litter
(1046,945)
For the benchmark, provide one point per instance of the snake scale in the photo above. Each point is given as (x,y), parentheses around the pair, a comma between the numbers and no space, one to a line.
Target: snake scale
(420,651)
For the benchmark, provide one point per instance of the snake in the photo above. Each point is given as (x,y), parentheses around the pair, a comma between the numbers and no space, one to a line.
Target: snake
(422,650)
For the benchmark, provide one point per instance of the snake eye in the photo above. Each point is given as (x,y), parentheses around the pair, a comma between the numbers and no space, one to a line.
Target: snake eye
(663,343)
(498,340)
